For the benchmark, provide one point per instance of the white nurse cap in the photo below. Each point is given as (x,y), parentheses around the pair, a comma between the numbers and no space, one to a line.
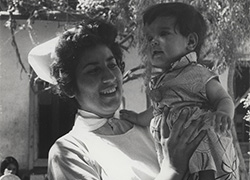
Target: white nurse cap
(40,59)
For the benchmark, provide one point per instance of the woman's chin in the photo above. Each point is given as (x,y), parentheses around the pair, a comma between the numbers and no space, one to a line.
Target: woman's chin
(112,104)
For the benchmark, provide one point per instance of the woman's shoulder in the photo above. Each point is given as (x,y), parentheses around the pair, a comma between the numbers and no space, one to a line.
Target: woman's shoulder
(67,144)
(69,151)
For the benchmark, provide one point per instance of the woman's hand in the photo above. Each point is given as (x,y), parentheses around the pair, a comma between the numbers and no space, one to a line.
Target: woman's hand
(178,147)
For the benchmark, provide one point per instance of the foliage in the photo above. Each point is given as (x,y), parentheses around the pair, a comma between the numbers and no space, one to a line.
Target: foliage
(37,7)
(229,28)
(228,20)
(119,12)
(246,105)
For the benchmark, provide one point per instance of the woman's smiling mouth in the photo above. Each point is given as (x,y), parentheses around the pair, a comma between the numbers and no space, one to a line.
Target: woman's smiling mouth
(109,90)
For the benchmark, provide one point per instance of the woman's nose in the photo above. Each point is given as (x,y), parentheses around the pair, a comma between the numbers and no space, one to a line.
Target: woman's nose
(108,77)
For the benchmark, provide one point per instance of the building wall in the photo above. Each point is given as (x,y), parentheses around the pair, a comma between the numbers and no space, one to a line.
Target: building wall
(14,101)
(15,87)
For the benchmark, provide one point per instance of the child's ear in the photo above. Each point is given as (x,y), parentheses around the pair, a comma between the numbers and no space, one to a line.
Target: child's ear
(192,41)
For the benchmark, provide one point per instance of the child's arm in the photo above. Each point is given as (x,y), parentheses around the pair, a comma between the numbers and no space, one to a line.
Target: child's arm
(142,118)
(223,104)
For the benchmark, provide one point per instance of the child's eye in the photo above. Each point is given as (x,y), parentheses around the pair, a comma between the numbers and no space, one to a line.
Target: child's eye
(149,38)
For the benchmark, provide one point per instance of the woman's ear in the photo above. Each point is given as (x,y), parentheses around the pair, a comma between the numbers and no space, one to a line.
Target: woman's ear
(192,41)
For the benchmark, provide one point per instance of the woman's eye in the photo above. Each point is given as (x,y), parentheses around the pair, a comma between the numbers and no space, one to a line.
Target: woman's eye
(93,71)
(112,65)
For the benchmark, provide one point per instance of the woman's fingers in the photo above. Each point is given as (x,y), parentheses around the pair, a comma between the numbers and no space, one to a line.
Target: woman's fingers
(190,139)
(189,132)
(164,129)
(183,141)
(192,146)
(178,126)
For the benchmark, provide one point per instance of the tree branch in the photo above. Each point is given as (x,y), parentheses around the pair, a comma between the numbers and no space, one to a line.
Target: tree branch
(237,103)
(14,44)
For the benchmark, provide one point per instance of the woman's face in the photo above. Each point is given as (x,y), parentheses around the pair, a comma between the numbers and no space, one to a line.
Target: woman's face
(10,169)
(99,82)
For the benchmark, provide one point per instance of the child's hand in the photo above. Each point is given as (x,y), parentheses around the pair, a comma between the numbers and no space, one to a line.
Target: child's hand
(130,116)
(221,122)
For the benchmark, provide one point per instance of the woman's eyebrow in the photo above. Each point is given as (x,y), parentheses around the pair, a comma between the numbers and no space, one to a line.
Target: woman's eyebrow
(89,64)
(111,58)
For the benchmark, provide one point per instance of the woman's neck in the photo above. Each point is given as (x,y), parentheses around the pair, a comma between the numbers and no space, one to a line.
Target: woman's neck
(108,115)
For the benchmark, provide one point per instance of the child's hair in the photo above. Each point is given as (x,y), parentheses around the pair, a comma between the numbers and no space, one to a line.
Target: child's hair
(7,161)
(188,19)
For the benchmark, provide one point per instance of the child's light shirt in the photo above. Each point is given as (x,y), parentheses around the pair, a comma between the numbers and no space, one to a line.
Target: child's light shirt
(85,154)
(183,86)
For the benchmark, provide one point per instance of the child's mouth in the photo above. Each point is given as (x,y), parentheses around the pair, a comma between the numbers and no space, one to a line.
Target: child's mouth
(157,53)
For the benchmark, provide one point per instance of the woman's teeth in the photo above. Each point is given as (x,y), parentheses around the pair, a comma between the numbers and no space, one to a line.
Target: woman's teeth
(109,91)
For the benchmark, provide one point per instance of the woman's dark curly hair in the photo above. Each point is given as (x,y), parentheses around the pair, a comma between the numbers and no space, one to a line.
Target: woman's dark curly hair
(73,43)
(7,161)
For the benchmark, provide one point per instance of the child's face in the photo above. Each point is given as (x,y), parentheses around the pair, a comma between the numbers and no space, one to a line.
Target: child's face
(166,44)
(10,169)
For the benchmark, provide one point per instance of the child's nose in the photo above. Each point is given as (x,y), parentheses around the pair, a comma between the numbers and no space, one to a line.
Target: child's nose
(154,42)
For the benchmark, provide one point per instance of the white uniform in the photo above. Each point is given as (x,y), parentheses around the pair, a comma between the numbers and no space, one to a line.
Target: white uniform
(99,148)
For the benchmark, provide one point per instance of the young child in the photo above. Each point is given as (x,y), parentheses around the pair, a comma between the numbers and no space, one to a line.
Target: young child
(9,166)
(175,33)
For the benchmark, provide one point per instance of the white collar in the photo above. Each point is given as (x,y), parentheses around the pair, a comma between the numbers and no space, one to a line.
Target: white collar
(87,121)
(185,60)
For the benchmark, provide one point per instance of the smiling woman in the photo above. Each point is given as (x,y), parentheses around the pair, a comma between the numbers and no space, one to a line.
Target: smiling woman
(81,72)
(99,82)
